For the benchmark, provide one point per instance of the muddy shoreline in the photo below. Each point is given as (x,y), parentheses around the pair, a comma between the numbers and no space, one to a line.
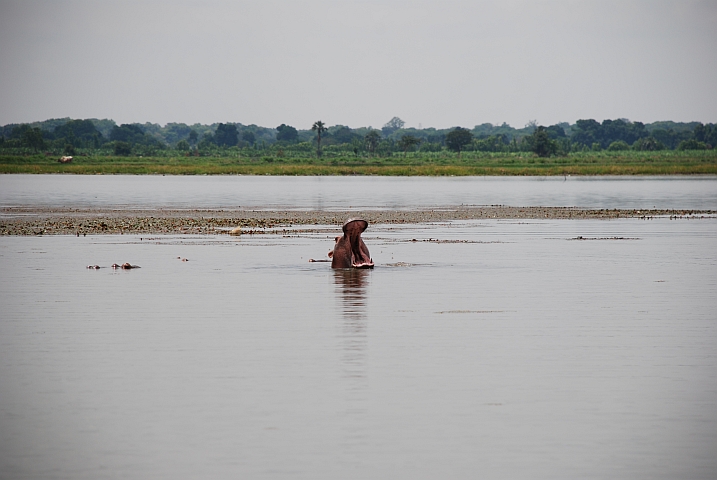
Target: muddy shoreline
(66,221)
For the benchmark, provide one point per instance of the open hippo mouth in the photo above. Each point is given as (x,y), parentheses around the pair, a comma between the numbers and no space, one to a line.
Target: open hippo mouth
(350,251)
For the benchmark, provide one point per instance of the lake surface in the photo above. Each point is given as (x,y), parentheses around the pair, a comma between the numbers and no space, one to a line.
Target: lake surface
(341,193)
(484,349)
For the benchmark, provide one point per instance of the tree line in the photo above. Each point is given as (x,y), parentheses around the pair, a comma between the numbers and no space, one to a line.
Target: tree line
(98,137)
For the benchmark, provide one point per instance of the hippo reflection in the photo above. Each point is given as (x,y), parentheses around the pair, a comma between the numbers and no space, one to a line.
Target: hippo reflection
(349,250)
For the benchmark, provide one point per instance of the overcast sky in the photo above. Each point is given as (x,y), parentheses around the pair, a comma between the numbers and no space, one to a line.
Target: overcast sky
(358,62)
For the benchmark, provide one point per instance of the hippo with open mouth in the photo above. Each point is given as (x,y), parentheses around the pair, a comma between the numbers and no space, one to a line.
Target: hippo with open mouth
(350,251)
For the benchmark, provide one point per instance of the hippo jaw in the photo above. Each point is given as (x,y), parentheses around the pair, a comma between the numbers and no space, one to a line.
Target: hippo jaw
(360,256)
(350,251)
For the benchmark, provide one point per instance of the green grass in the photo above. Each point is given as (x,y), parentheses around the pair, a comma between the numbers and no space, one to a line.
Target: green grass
(425,164)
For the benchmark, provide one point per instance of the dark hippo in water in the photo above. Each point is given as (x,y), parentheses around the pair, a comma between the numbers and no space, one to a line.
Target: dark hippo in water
(124,266)
(350,251)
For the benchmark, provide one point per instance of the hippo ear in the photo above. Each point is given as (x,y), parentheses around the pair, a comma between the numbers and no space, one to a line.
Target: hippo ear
(331,254)
(336,239)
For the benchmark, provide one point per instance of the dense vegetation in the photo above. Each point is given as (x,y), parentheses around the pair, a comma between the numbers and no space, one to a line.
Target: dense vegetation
(106,138)
(587,147)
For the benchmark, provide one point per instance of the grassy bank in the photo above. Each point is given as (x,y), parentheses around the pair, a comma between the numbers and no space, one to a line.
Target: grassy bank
(469,163)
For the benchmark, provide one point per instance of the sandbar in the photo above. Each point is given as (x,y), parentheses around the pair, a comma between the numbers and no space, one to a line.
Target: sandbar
(95,221)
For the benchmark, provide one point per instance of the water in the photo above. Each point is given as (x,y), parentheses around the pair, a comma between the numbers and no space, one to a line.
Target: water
(498,349)
(340,193)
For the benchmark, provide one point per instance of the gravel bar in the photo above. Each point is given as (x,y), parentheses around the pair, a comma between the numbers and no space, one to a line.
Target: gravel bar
(66,221)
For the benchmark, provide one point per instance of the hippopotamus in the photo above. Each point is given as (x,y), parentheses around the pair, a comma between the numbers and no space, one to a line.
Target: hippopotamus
(124,266)
(349,250)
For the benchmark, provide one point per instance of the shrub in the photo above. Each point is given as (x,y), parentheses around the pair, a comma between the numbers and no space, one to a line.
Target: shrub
(648,144)
(122,148)
(692,144)
(618,145)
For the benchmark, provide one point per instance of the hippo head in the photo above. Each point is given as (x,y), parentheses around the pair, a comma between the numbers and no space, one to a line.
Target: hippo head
(349,250)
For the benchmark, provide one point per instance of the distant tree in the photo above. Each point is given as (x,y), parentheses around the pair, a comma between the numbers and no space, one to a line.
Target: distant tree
(542,145)
(711,136)
(320,129)
(493,143)
(83,131)
(248,136)
(668,137)
(174,132)
(458,138)
(343,135)
(621,129)
(182,145)
(706,134)
(531,125)
(356,144)
(32,137)
(134,135)
(555,132)
(372,139)
(287,133)
(207,141)
(395,123)
(408,141)
(103,126)
(392,125)
(78,133)
(226,135)
(586,132)
(127,133)
(193,137)
(18,131)
(700,132)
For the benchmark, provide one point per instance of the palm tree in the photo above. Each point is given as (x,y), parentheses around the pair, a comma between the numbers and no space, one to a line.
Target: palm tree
(319,128)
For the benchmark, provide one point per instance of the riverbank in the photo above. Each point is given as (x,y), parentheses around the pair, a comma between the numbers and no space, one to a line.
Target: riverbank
(415,164)
(63,221)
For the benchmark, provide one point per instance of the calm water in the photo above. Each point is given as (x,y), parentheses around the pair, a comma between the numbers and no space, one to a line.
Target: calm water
(326,193)
(522,355)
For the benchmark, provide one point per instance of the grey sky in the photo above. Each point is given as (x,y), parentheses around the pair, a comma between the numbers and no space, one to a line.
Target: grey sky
(358,62)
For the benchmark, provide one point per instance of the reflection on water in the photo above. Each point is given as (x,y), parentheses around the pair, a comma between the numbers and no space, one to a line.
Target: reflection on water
(350,287)
(351,291)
